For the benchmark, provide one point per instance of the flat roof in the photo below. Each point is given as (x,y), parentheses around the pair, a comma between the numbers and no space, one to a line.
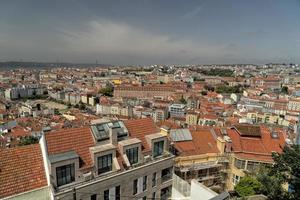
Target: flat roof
(63,156)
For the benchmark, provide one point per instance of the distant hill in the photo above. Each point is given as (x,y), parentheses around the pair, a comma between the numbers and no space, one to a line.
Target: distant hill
(41,65)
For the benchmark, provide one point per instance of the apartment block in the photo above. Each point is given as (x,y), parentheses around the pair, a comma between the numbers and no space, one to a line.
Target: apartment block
(24,91)
(109,160)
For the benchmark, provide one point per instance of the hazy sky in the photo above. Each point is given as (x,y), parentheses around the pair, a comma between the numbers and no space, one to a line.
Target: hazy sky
(150,31)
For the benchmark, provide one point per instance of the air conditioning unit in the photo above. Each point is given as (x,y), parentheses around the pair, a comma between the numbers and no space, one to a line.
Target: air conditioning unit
(88,176)
(147,158)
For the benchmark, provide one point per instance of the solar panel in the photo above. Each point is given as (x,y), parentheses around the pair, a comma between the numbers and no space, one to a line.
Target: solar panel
(100,132)
(178,135)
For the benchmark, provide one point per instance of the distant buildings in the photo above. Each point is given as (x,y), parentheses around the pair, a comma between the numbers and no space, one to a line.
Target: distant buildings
(24,91)
(144,92)
(177,110)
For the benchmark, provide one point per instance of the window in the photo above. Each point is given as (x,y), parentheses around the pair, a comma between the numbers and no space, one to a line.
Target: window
(252,166)
(166,174)
(145,183)
(118,196)
(235,179)
(158,148)
(65,174)
(133,155)
(106,195)
(154,179)
(165,193)
(153,195)
(94,197)
(135,186)
(104,163)
(145,198)
(240,164)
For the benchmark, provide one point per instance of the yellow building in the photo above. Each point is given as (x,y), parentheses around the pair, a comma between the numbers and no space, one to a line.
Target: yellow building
(192,118)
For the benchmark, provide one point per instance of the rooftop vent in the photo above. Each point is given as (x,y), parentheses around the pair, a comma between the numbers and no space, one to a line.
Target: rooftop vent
(274,135)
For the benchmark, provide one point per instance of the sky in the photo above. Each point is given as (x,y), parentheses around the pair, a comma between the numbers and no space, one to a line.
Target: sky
(143,32)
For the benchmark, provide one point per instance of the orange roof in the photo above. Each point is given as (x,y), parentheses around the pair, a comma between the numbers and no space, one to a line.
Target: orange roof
(257,148)
(73,139)
(20,132)
(169,123)
(21,170)
(138,128)
(203,142)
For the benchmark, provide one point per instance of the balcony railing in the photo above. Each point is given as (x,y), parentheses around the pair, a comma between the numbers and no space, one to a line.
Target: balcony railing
(96,177)
(166,178)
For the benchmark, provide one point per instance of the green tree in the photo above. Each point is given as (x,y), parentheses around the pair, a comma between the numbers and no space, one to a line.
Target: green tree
(284,172)
(272,185)
(107,91)
(284,90)
(56,111)
(286,169)
(204,92)
(248,186)
(28,140)
(182,100)
(82,106)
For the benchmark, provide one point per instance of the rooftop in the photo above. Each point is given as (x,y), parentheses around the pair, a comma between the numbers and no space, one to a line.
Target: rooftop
(257,148)
(72,139)
(21,170)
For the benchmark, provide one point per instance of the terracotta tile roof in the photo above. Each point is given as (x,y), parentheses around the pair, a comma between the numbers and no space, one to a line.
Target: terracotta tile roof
(257,148)
(20,132)
(138,128)
(168,123)
(21,170)
(203,142)
(76,139)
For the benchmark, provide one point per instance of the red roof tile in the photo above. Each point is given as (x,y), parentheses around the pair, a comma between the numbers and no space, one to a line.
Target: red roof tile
(76,139)
(20,132)
(257,148)
(138,128)
(203,142)
(21,170)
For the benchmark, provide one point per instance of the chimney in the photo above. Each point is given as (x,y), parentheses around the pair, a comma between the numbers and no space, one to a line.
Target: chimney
(113,135)
(221,143)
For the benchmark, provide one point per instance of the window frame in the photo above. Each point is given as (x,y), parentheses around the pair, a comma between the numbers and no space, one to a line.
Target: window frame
(154,179)
(106,161)
(145,181)
(239,164)
(133,155)
(158,148)
(62,170)
(135,186)
(106,194)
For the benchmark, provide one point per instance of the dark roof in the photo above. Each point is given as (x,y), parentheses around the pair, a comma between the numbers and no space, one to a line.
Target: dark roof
(63,156)
(248,130)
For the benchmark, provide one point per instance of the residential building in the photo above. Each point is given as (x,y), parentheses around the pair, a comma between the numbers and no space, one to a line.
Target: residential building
(177,110)
(24,91)
(200,156)
(251,147)
(148,91)
(109,160)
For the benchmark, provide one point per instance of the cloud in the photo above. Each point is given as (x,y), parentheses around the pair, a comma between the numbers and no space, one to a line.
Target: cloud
(192,13)
(120,43)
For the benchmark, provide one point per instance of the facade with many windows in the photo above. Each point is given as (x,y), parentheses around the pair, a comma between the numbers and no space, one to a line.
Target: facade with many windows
(109,160)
